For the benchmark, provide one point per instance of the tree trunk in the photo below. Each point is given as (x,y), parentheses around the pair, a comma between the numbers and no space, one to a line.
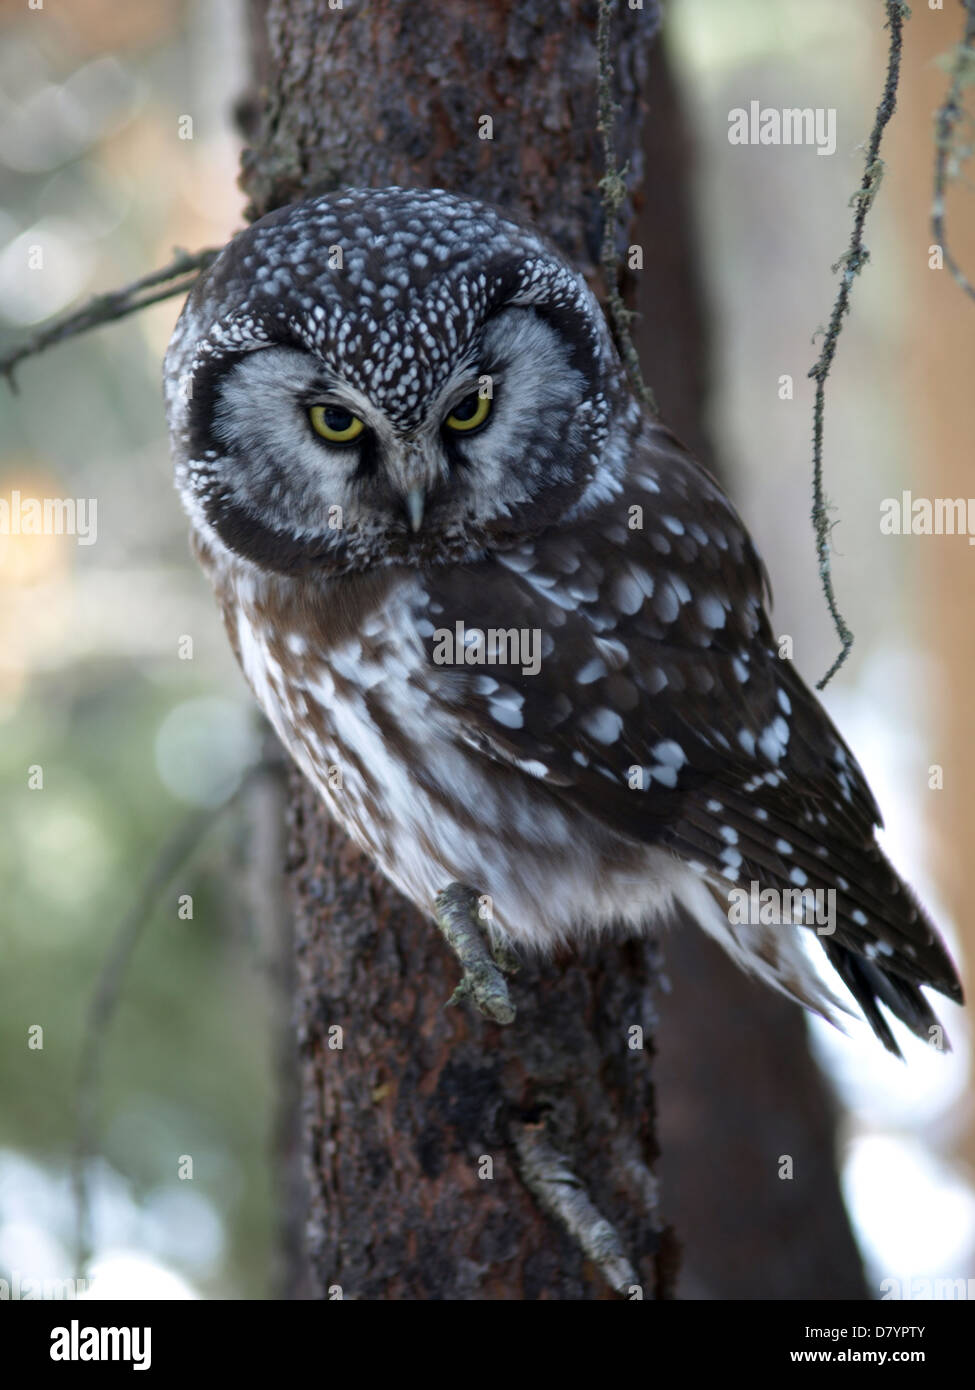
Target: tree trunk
(433,1140)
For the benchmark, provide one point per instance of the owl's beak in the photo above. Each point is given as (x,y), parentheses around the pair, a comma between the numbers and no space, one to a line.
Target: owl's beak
(415,499)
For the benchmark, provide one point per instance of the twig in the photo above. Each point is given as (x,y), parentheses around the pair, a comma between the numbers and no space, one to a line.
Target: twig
(613,189)
(107,308)
(549,1177)
(946,121)
(852,262)
(130,931)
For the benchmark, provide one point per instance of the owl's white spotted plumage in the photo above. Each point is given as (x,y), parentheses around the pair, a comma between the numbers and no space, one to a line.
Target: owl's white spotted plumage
(321,386)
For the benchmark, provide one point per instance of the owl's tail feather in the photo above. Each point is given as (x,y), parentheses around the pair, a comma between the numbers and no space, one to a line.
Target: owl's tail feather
(871,986)
(885,946)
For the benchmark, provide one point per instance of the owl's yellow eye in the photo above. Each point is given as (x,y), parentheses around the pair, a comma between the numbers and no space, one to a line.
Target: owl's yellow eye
(470,413)
(335,423)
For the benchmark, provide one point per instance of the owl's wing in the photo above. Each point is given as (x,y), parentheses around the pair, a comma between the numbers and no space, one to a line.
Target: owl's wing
(661,707)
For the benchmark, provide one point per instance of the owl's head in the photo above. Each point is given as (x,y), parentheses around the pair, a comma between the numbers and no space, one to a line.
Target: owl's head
(389,375)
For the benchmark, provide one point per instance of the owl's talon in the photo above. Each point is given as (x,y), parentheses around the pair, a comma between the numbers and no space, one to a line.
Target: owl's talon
(482,979)
(504,957)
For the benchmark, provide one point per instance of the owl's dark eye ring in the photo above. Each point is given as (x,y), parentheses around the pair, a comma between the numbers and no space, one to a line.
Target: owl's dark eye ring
(335,423)
(470,414)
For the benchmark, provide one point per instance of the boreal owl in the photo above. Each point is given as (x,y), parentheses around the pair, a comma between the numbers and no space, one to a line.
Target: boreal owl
(511,631)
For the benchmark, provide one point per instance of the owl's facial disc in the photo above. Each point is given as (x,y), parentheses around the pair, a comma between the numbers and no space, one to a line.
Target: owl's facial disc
(323,466)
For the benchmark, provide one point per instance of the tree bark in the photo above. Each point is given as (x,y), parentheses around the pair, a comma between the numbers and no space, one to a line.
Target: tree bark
(429,1133)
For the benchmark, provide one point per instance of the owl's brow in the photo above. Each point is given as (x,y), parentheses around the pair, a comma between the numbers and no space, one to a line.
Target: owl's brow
(467,382)
(309,393)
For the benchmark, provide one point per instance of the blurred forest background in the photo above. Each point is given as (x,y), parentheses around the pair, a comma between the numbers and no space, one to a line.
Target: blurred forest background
(132,737)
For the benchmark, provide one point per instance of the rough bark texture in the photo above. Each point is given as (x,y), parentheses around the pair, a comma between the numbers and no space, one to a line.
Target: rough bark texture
(388,93)
(412,1125)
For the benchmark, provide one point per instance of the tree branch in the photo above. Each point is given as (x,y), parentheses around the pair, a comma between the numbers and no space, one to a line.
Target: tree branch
(549,1175)
(111,306)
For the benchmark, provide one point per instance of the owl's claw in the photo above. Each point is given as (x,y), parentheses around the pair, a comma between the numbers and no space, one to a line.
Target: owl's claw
(504,957)
(482,980)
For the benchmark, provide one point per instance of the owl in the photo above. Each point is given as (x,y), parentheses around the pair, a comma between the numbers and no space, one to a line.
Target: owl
(511,631)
